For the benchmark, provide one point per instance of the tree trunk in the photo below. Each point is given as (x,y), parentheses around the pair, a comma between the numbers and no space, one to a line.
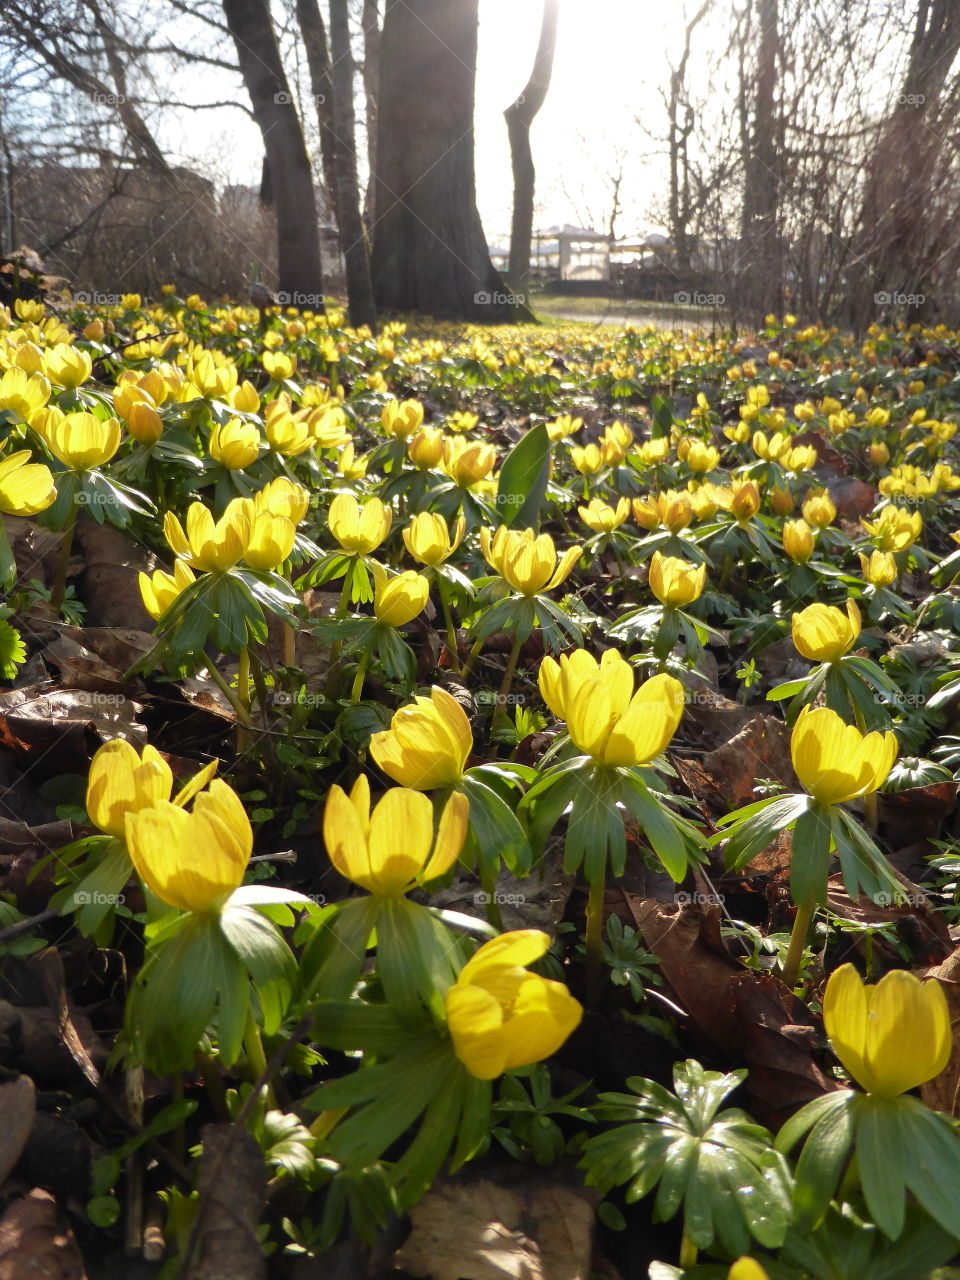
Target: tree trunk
(299,274)
(353,238)
(519,117)
(371,90)
(314,33)
(429,251)
(761,206)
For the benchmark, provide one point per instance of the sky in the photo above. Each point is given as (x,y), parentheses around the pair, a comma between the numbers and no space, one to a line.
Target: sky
(611,64)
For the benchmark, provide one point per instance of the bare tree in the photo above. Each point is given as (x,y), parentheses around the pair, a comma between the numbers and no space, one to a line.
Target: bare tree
(298,244)
(519,117)
(313,33)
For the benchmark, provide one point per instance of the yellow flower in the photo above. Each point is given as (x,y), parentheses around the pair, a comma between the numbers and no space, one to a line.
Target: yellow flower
(526,562)
(192,861)
(746,1269)
(120,782)
(67,367)
(890,1037)
(82,441)
(821,633)
(834,761)
(25,487)
(349,465)
(819,510)
(161,589)
(781,500)
(770,450)
(212,547)
(400,419)
(654,451)
(287,435)
(672,510)
(745,502)
(425,449)
(702,457)
(467,463)
(392,849)
(878,454)
(427,744)
(588,459)
(800,458)
(283,497)
(244,398)
(144,423)
(563,426)
(235,444)
(798,541)
(676,583)
(879,569)
(602,518)
(271,541)
(397,601)
(500,1014)
(428,539)
(605,718)
(24,394)
(894,528)
(279,364)
(358,529)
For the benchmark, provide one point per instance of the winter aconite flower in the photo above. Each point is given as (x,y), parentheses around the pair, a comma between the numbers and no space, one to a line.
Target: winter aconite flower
(602,518)
(427,744)
(392,848)
(160,589)
(25,487)
(235,444)
(819,510)
(822,633)
(890,1037)
(879,569)
(428,539)
(501,1015)
(834,761)
(526,562)
(798,541)
(398,600)
(81,441)
(121,782)
(192,861)
(676,583)
(358,528)
(747,1269)
(605,717)
(213,546)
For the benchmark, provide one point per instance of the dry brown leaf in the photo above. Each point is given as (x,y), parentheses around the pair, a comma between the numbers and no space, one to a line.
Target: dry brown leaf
(111,589)
(232,1186)
(761,749)
(18,1106)
(483,1231)
(943,1091)
(34,1244)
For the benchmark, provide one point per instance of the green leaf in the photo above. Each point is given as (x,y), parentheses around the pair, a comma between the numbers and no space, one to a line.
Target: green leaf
(265,956)
(523,480)
(810,869)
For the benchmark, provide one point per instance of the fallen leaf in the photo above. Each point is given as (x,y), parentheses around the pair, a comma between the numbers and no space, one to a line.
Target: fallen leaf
(35,1244)
(943,1091)
(18,1105)
(232,1184)
(484,1231)
(761,749)
(113,562)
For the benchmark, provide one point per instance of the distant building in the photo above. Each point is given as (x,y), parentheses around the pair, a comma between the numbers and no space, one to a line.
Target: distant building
(571,253)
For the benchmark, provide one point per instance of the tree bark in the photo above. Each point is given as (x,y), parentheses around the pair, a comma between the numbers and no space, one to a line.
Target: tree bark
(762,173)
(299,273)
(371,90)
(519,117)
(314,33)
(353,238)
(429,251)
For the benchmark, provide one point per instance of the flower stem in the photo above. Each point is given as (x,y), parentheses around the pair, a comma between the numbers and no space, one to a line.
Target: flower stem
(289,645)
(508,674)
(63,560)
(243,715)
(798,941)
(471,659)
(594,940)
(451,630)
(688,1251)
(256,1058)
(359,677)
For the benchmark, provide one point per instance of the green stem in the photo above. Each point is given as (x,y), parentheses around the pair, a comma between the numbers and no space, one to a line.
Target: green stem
(243,715)
(213,1082)
(63,559)
(341,612)
(243,678)
(256,1058)
(359,677)
(798,941)
(688,1251)
(594,940)
(471,659)
(451,630)
(508,674)
(725,572)
(488,879)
